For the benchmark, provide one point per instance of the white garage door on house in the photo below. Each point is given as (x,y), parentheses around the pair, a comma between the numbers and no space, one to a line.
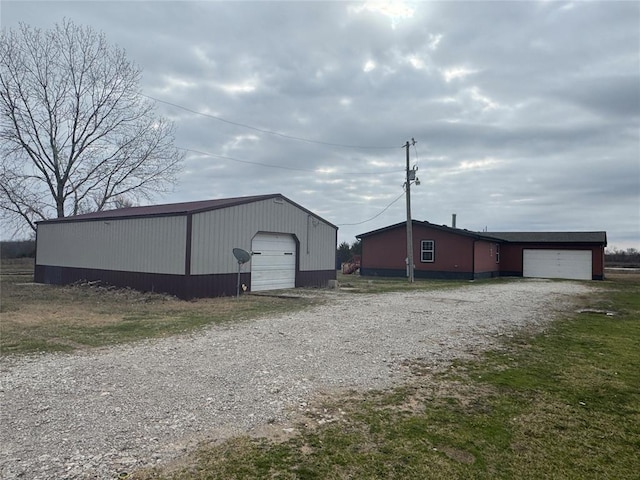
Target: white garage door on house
(273,263)
(571,264)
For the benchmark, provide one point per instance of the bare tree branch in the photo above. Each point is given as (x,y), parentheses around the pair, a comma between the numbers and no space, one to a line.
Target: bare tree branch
(76,134)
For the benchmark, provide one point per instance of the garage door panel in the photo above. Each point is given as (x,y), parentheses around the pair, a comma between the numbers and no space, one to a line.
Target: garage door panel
(570,264)
(273,264)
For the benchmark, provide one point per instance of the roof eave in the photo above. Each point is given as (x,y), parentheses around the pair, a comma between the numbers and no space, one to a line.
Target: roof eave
(105,216)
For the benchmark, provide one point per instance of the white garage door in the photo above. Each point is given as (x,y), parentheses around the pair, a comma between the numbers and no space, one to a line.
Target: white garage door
(273,264)
(573,264)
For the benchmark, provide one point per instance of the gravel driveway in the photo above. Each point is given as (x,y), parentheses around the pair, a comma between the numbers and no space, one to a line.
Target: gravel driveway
(97,413)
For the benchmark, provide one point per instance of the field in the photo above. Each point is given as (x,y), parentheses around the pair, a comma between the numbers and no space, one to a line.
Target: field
(564,404)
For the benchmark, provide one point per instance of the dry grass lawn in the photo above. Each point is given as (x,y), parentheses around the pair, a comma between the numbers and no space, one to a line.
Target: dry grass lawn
(38,317)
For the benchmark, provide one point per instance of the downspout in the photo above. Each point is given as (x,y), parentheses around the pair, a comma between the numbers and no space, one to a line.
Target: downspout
(335,242)
(187,250)
(473,260)
(308,228)
(35,260)
(186,285)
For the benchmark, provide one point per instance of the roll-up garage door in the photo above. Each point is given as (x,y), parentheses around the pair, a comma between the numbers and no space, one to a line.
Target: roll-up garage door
(571,264)
(273,264)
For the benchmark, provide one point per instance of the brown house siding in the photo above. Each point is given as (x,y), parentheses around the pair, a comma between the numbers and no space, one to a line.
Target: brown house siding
(453,256)
(484,259)
(384,254)
(464,254)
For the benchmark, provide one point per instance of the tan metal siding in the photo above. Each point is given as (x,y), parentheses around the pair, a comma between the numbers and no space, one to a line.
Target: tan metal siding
(152,245)
(320,252)
(217,232)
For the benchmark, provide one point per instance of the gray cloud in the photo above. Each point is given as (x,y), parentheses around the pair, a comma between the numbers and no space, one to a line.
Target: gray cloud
(527,114)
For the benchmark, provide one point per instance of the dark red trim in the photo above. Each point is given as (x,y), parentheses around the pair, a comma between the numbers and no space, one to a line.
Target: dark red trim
(428,274)
(187,253)
(36,254)
(221,285)
(473,255)
(177,209)
(315,278)
(182,286)
(146,282)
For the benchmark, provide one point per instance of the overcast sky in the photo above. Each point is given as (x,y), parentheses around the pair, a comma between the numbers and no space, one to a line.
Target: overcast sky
(526,115)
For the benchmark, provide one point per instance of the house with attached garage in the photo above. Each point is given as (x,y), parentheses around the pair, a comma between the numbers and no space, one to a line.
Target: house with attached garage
(186,249)
(452,253)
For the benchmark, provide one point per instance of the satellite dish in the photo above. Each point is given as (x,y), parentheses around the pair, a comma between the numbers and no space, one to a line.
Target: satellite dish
(241,255)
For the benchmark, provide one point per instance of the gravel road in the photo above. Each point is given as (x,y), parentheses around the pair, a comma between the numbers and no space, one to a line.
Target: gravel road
(98,413)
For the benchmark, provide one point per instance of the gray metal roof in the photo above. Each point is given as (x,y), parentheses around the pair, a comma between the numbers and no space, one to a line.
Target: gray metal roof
(457,231)
(172,209)
(518,237)
(549,237)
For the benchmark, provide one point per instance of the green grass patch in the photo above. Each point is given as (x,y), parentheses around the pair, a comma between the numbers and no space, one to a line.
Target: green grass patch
(564,404)
(357,284)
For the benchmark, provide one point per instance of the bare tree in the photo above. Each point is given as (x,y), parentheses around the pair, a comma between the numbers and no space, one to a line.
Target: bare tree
(76,134)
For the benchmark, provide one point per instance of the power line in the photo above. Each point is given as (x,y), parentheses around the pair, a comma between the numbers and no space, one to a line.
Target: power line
(270,132)
(291,137)
(282,167)
(304,170)
(224,157)
(415,149)
(375,216)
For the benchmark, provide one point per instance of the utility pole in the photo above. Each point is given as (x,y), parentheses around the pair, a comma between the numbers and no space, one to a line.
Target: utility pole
(411,176)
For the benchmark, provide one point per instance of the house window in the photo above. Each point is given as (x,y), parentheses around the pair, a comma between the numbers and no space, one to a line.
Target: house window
(497,253)
(427,251)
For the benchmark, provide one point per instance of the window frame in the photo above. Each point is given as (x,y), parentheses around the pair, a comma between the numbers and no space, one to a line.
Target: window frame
(424,250)
(497,253)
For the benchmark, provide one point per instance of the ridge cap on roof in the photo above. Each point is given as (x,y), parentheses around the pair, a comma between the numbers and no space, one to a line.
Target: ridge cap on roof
(177,208)
(582,236)
(458,231)
(597,236)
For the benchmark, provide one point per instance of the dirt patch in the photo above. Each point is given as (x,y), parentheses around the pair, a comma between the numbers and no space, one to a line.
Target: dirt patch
(35,315)
(623,274)
(97,306)
(457,454)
